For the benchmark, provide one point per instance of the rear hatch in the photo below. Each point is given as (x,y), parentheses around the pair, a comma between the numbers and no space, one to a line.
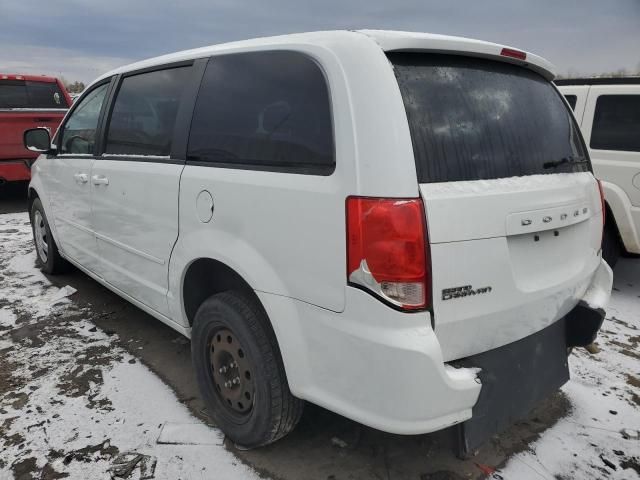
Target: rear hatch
(26,104)
(513,212)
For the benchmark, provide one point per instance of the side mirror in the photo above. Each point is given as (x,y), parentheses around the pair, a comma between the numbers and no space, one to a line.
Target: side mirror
(37,140)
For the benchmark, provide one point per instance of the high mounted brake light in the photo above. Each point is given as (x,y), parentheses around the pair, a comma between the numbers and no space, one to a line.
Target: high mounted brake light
(387,250)
(510,52)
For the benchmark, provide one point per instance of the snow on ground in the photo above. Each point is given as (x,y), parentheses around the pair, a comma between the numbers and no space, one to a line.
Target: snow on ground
(604,391)
(72,403)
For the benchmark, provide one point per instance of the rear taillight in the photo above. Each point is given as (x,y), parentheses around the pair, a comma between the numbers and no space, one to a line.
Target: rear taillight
(603,205)
(387,249)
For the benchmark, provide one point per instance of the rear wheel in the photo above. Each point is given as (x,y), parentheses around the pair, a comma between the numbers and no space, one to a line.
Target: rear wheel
(611,247)
(48,256)
(240,372)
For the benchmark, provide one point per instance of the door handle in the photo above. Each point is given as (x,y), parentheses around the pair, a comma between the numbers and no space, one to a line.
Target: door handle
(100,180)
(81,177)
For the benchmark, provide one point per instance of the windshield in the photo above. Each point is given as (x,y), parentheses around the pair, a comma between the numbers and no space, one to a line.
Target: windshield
(473,119)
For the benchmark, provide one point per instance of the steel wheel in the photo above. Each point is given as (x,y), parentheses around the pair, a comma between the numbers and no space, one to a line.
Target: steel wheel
(41,238)
(240,371)
(232,372)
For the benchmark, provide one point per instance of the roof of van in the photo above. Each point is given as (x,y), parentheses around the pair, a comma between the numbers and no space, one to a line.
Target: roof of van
(599,81)
(388,41)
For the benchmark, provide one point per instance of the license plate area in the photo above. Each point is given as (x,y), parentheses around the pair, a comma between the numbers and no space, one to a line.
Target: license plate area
(515,378)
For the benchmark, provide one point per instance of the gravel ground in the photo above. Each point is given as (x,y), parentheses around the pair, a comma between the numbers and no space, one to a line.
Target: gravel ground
(76,401)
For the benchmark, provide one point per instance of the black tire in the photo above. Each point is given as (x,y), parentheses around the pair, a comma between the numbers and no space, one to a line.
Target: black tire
(611,247)
(53,263)
(273,411)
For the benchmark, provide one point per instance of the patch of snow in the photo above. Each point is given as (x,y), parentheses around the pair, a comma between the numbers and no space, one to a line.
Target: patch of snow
(7,317)
(462,373)
(506,185)
(605,395)
(189,434)
(79,403)
(338,442)
(65,291)
(599,292)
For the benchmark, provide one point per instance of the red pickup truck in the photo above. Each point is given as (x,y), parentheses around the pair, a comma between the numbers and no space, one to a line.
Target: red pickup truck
(26,101)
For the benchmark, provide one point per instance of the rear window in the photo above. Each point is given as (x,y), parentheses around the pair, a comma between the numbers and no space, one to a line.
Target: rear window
(28,94)
(616,123)
(473,119)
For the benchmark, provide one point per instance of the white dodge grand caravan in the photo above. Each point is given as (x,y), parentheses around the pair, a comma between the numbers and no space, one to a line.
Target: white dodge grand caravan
(403,228)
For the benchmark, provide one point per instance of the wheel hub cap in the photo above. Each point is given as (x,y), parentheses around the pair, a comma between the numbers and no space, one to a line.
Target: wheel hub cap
(232,372)
(40,235)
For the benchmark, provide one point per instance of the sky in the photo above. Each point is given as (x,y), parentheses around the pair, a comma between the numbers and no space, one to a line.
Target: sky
(81,39)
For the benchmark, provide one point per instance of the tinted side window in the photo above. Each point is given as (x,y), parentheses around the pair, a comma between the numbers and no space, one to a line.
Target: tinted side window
(264,110)
(45,95)
(79,132)
(572,100)
(616,123)
(144,113)
(28,94)
(13,94)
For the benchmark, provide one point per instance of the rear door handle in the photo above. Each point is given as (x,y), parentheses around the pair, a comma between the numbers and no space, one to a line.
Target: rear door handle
(100,180)
(81,177)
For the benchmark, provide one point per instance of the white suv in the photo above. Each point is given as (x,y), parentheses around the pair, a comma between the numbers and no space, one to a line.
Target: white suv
(403,228)
(608,111)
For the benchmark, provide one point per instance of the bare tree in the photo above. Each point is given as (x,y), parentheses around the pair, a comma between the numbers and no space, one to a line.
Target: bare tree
(75,87)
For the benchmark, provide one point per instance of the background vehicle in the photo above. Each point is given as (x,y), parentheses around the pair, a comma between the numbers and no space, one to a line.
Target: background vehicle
(327,234)
(608,110)
(26,101)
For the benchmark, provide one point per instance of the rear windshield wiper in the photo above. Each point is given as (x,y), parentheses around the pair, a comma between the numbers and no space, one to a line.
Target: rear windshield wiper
(563,160)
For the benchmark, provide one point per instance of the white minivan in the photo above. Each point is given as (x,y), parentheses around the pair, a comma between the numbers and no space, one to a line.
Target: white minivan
(608,111)
(403,228)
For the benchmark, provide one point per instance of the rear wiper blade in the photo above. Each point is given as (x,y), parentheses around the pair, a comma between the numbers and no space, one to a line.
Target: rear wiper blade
(562,161)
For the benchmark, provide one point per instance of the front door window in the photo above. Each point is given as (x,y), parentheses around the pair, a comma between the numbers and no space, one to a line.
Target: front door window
(79,132)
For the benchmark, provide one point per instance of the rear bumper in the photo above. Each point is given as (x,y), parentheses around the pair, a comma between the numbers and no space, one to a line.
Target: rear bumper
(584,321)
(385,368)
(15,170)
(515,378)
(519,375)
(370,363)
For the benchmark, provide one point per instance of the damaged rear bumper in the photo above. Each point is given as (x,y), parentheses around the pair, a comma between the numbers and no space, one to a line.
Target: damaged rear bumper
(584,321)
(517,376)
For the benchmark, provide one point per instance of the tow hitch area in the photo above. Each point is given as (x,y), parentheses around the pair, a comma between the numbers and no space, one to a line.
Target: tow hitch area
(583,323)
(515,378)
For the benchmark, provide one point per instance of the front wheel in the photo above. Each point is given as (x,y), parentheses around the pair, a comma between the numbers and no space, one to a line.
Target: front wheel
(48,256)
(240,371)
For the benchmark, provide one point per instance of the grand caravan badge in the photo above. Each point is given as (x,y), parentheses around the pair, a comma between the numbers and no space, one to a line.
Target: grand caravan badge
(465,291)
